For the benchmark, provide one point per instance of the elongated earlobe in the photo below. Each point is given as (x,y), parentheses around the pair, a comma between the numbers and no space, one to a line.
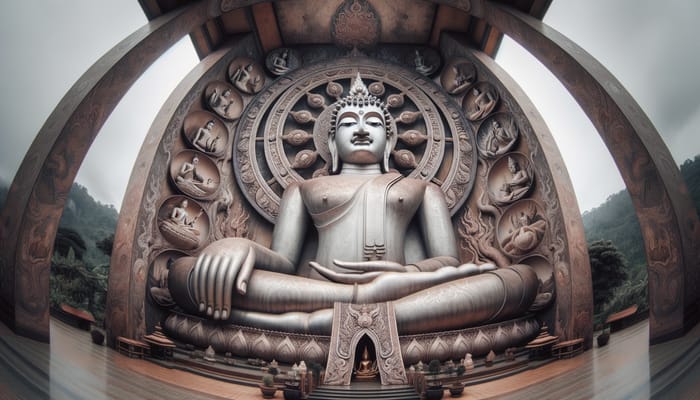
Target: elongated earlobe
(334,154)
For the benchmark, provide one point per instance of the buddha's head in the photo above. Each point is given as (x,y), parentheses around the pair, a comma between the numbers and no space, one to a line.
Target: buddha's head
(360,130)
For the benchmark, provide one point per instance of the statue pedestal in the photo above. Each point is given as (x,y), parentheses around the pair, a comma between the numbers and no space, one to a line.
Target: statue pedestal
(350,323)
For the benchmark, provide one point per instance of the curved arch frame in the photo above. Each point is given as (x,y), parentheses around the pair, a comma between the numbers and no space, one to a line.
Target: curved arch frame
(669,222)
(666,214)
(38,192)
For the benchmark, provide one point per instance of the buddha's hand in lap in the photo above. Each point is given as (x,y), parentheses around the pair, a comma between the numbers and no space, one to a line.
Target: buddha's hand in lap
(367,271)
(218,267)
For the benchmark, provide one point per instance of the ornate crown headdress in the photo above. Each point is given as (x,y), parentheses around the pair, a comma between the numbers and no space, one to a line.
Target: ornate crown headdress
(359,96)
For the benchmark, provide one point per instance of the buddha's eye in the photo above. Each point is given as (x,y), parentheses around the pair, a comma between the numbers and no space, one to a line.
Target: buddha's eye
(374,122)
(345,122)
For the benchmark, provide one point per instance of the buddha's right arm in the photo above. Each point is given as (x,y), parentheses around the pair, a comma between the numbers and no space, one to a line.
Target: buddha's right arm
(209,281)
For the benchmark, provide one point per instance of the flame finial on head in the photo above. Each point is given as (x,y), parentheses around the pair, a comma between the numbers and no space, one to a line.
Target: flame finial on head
(358,88)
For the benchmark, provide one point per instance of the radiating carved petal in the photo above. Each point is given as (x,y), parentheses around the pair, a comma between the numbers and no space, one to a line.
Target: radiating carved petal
(298,137)
(405,159)
(302,117)
(334,89)
(315,100)
(376,88)
(304,159)
(482,344)
(286,351)
(312,351)
(237,344)
(395,100)
(439,349)
(413,137)
(263,348)
(414,352)
(409,117)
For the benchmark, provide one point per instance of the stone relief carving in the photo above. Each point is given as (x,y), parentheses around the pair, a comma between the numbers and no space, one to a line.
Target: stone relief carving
(521,228)
(195,174)
(480,100)
(183,222)
(304,153)
(355,25)
(205,132)
(158,277)
(510,178)
(224,100)
(282,60)
(458,75)
(246,75)
(350,323)
(425,61)
(497,135)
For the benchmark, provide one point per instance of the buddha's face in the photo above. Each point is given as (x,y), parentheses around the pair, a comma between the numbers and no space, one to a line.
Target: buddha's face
(360,136)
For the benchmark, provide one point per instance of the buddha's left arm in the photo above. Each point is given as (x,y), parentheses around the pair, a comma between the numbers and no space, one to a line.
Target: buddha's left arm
(437,231)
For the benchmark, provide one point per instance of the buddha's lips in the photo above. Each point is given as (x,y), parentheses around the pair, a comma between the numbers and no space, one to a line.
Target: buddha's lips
(362,140)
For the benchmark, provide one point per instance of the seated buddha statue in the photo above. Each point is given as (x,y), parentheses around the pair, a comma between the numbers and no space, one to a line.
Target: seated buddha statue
(362,212)
(366,368)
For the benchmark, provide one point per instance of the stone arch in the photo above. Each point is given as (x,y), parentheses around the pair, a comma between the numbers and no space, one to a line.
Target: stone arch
(37,195)
(667,216)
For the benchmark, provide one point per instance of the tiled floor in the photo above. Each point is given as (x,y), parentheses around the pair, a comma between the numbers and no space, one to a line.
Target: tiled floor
(74,368)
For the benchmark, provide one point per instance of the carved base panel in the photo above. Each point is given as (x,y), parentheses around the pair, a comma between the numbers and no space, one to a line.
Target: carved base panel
(290,348)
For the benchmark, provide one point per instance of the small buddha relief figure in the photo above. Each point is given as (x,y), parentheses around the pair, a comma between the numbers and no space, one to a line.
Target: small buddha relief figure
(246,75)
(205,132)
(281,61)
(179,226)
(497,135)
(526,228)
(510,179)
(457,76)
(195,174)
(224,100)
(366,368)
(480,101)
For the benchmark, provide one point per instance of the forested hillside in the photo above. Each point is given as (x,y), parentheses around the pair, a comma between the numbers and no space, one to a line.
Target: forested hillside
(615,222)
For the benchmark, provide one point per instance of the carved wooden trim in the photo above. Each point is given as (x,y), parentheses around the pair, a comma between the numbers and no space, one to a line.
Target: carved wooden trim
(37,196)
(666,214)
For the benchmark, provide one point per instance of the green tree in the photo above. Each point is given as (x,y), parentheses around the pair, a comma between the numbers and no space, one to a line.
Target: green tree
(608,270)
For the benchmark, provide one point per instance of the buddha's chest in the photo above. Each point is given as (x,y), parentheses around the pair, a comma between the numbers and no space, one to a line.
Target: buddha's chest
(342,194)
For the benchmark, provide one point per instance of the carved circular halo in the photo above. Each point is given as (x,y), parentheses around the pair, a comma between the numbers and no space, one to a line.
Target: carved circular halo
(185,233)
(209,140)
(480,100)
(510,178)
(458,75)
(195,174)
(282,136)
(224,100)
(521,228)
(246,75)
(497,135)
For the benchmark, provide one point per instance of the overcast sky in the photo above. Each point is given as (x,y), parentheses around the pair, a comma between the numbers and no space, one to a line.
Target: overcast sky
(48,44)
